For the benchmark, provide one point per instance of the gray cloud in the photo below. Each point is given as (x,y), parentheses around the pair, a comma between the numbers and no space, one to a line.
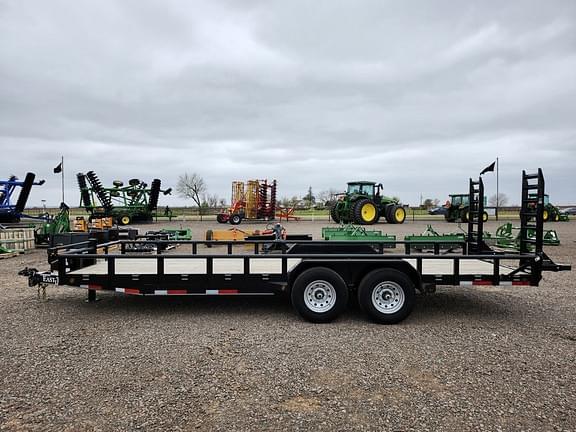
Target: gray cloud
(417,95)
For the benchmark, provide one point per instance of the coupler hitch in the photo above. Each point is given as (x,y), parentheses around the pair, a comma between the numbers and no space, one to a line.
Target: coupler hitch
(39,279)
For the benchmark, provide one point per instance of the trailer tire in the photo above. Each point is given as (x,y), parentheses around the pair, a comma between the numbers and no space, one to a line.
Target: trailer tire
(235,219)
(387,295)
(319,295)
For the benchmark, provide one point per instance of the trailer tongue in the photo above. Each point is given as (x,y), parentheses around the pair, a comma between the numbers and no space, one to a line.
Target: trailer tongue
(319,276)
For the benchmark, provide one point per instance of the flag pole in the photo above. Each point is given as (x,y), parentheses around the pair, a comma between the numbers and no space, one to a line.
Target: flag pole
(497,189)
(62,162)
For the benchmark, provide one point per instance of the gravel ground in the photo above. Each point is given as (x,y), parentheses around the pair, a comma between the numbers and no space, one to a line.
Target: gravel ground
(479,358)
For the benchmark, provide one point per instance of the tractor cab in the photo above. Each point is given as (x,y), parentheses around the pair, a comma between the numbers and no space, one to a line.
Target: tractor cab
(458,207)
(459,200)
(364,188)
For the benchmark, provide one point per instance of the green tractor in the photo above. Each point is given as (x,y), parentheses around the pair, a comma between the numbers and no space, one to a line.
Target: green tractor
(457,208)
(552,213)
(362,204)
(53,225)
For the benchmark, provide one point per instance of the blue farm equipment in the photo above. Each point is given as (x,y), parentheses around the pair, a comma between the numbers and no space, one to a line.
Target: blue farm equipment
(12,212)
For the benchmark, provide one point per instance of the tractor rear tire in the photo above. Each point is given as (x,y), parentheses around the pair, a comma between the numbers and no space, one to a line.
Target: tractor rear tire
(464,216)
(235,219)
(334,213)
(365,212)
(484,217)
(397,214)
(545,215)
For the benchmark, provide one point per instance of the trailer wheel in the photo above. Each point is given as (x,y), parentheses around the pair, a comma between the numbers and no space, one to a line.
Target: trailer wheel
(319,295)
(235,219)
(386,295)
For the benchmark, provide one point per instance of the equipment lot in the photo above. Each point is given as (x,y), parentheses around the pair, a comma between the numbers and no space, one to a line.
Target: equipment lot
(468,358)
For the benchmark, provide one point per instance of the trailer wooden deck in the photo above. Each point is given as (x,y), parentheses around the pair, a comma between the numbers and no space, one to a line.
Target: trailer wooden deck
(149,266)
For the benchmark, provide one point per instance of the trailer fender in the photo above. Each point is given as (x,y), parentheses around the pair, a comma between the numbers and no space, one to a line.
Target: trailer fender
(353,272)
(401,266)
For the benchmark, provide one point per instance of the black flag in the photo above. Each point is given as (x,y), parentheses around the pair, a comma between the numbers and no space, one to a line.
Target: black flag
(489,168)
(58,169)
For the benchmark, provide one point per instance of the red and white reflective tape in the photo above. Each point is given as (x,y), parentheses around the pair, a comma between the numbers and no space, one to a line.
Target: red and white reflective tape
(222,292)
(129,291)
(489,283)
(135,291)
(92,287)
(170,292)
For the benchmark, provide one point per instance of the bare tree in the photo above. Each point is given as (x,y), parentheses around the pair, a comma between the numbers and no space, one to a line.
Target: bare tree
(501,200)
(326,196)
(211,200)
(191,186)
(431,202)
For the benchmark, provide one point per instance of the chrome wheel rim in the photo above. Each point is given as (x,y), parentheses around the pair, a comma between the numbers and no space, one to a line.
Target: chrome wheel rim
(320,296)
(388,297)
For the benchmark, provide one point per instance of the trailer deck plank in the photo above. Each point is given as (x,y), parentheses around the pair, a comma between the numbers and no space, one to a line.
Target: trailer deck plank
(133,266)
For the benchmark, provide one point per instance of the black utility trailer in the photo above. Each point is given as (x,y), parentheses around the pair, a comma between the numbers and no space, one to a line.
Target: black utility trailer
(319,276)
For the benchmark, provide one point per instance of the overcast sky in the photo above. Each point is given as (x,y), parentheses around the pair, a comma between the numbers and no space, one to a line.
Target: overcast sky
(418,95)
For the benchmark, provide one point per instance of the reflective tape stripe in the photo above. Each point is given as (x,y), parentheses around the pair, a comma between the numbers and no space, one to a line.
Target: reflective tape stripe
(481,282)
(132,291)
(92,286)
(489,283)
(222,292)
